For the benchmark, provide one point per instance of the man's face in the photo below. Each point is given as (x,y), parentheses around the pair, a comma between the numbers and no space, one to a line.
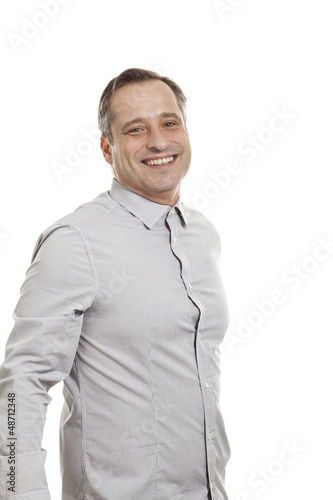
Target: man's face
(148,132)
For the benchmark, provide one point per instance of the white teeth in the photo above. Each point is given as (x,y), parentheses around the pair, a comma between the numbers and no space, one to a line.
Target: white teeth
(160,161)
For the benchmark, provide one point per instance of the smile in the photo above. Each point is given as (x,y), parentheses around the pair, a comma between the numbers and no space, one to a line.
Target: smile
(159,161)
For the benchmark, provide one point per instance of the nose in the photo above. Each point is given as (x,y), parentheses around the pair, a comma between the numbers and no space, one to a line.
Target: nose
(157,139)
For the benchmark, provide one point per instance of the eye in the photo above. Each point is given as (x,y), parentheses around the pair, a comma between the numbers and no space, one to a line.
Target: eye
(135,130)
(169,124)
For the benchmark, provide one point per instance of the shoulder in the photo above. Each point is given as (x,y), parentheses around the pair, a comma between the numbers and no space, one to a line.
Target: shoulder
(199,222)
(102,205)
(75,225)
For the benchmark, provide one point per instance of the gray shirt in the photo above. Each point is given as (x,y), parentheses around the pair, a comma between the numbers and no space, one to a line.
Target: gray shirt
(124,302)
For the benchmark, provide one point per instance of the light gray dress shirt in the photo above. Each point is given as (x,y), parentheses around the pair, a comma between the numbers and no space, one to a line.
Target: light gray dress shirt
(124,302)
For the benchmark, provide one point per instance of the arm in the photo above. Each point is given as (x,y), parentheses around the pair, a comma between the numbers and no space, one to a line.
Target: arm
(58,288)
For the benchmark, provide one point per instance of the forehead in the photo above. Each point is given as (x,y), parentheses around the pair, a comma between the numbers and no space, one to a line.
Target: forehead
(146,99)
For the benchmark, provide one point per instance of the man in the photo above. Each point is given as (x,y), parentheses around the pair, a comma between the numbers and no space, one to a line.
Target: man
(123,301)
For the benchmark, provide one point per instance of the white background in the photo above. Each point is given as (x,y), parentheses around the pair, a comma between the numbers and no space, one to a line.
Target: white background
(236,67)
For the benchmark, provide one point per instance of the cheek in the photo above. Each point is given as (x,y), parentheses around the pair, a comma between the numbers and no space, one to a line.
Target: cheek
(132,151)
(185,141)
(187,148)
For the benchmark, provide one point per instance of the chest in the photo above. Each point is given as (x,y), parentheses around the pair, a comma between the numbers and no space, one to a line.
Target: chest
(149,282)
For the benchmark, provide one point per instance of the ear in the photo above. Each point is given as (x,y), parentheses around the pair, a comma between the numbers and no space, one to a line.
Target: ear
(106,149)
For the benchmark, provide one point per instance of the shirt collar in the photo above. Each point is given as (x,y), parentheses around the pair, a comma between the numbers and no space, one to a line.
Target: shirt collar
(146,210)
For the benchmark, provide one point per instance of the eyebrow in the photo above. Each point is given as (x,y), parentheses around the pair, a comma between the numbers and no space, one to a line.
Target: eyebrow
(162,115)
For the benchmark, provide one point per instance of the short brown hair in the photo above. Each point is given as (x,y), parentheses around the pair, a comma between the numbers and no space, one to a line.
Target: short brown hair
(132,75)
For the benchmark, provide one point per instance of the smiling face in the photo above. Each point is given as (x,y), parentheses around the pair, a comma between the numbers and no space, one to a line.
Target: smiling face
(151,151)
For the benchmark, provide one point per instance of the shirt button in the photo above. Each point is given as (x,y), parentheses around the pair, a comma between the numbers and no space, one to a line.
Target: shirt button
(206,384)
(172,211)
(209,436)
(174,239)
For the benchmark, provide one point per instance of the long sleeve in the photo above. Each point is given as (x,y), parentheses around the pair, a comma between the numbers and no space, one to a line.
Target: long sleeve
(124,302)
(60,285)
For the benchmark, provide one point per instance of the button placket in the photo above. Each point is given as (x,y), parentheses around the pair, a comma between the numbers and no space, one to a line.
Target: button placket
(203,373)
